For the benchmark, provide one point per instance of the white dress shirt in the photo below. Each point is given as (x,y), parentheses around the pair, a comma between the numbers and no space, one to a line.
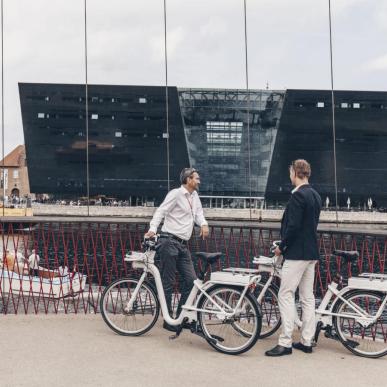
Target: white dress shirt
(180,211)
(33,261)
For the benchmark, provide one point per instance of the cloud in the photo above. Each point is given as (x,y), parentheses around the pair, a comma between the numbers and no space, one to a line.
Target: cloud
(288,44)
(175,38)
(377,64)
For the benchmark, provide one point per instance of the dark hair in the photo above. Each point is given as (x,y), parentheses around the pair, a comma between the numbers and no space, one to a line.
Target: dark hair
(301,168)
(185,174)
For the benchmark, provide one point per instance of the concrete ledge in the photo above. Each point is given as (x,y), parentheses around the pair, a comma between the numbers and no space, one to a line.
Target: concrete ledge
(211,213)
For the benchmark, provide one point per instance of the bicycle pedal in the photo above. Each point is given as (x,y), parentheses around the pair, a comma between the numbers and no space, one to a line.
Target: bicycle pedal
(330,335)
(352,344)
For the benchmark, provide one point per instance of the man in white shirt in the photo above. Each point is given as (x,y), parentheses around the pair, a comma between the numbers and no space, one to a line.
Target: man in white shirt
(180,210)
(33,263)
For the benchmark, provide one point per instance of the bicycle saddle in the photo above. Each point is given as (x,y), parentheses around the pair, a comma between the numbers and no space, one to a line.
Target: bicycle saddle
(209,257)
(350,256)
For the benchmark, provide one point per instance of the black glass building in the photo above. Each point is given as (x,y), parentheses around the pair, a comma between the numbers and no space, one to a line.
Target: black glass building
(242,143)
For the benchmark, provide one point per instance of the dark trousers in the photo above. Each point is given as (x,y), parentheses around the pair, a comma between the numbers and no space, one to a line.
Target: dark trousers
(175,255)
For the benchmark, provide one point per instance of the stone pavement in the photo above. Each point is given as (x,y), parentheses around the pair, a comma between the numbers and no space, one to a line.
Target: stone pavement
(79,350)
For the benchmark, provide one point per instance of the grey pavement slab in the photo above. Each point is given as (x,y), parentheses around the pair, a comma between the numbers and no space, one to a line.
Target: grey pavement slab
(79,350)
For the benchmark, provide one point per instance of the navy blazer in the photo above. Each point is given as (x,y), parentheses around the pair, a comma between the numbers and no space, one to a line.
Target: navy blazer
(299,225)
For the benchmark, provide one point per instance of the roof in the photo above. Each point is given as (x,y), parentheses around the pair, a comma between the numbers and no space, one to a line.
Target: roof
(13,158)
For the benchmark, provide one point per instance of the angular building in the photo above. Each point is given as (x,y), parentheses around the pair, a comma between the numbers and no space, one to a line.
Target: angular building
(242,143)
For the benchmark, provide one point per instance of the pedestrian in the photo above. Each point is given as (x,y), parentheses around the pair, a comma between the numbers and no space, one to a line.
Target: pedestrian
(180,210)
(299,247)
(33,263)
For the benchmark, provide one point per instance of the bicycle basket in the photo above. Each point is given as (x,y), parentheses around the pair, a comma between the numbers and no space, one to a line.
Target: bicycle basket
(138,258)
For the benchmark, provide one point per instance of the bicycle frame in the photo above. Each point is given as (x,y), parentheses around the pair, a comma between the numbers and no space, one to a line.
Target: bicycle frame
(325,313)
(189,309)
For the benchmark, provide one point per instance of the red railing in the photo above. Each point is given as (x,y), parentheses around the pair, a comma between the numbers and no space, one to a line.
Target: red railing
(77,259)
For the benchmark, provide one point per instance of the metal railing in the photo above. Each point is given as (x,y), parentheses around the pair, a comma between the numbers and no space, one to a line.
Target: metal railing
(78,259)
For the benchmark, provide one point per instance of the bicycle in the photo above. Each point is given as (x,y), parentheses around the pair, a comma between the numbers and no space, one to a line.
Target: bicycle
(131,306)
(355,315)
(267,292)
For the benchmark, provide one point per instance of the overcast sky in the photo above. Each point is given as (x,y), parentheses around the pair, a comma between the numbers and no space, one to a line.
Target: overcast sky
(288,45)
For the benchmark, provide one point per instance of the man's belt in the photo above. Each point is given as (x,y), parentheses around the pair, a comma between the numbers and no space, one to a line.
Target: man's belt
(169,235)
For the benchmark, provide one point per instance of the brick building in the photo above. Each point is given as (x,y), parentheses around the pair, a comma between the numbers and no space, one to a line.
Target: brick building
(14,174)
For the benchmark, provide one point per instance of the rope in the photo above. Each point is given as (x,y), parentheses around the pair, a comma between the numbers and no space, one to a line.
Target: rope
(248,103)
(166,90)
(333,112)
(87,115)
(2,102)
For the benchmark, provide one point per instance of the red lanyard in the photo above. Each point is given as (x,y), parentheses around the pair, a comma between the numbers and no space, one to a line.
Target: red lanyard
(190,203)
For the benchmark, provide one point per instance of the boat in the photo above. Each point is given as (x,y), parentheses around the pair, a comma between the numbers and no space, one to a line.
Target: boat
(49,283)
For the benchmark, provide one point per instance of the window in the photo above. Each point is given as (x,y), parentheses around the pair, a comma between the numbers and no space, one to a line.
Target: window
(40,115)
(142,100)
(356,105)
(94,99)
(344,105)
(118,134)
(94,116)
(15,173)
(224,138)
(320,104)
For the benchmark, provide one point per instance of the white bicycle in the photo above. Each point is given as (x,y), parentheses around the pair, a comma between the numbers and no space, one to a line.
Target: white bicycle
(267,292)
(223,309)
(356,315)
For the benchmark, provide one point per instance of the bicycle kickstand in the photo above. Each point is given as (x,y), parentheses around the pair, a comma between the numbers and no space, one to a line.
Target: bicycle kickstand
(179,329)
(319,327)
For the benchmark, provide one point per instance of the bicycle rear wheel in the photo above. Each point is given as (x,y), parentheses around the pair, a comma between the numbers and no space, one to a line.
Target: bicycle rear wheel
(140,318)
(233,335)
(363,341)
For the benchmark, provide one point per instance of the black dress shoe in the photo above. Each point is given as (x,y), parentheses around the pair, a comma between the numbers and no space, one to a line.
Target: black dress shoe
(302,347)
(168,327)
(279,350)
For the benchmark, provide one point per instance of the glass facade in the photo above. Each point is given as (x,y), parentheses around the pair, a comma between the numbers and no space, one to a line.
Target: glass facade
(230,137)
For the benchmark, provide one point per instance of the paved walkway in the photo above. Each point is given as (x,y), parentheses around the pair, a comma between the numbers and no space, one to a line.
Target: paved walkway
(60,350)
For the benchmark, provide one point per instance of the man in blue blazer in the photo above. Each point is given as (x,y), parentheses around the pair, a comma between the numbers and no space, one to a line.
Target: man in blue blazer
(299,247)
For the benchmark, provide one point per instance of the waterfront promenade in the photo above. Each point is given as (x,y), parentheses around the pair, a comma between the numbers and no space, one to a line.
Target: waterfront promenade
(58,350)
(224,214)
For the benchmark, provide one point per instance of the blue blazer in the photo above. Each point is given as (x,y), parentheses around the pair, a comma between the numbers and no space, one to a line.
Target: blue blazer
(299,225)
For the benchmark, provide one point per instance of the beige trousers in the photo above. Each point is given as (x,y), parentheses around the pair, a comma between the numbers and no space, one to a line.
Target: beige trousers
(297,273)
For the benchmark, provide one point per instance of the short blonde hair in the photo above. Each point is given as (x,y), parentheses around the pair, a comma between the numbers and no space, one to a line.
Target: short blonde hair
(301,168)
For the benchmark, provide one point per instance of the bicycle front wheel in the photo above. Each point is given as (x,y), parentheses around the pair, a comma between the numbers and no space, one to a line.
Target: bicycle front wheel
(271,317)
(229,335)
(134,321)
(370,341)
